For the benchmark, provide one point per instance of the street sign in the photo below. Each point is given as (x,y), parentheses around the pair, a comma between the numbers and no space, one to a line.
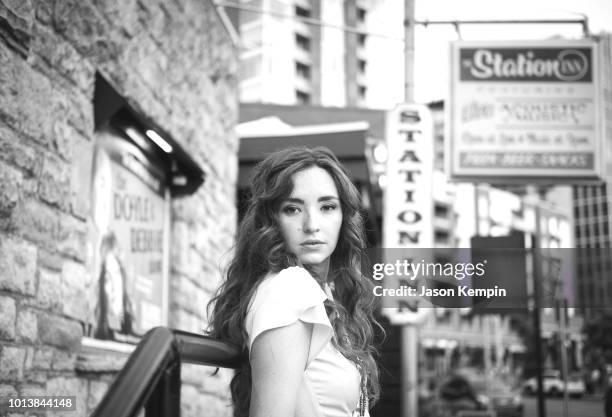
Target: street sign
(525,111)
(408,199)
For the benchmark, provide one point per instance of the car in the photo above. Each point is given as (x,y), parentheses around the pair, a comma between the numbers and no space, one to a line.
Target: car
(493,395)
(554,385)
(499,396)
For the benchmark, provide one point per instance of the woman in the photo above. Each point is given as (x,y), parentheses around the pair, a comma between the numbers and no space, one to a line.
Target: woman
(294,297)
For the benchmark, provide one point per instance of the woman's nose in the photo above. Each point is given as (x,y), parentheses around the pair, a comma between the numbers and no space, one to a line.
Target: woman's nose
(311,222)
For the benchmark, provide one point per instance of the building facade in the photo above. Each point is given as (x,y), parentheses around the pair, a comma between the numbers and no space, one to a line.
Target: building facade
(332,53)
(142,92)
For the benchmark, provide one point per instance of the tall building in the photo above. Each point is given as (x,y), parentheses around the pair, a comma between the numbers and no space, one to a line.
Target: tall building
(340,53)
(592,228)
(591,212)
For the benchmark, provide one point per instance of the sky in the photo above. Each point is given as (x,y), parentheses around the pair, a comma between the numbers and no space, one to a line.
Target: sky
(431,42)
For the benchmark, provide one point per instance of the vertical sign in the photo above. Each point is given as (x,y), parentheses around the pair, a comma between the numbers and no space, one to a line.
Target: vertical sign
(408,198)
(525,111)
(129,211)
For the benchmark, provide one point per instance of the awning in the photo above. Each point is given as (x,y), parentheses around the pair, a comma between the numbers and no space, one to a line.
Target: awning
(261,137)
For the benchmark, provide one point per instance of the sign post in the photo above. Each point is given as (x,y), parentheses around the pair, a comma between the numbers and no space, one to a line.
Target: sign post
(407,228)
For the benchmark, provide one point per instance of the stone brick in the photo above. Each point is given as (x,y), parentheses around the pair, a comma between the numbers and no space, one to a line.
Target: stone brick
(37,222)
(13,148)
(83,25)
(18,16)
(32,390)
(49,294)
(217,384)
(42,358)
(26,97)
(72,239)
(100,363)
(69,386)
(27,326)
(7,391)
(204,379)
(60,56)
(49,260)
(7,318)
(81,178)
(75,300)
(59,332)
(97,389)
(10,184)
(11,363)
(122,13)
(63,361)
(17,266)
(54,182)
(76,109)
(196,404)
(187,321)
(188,295)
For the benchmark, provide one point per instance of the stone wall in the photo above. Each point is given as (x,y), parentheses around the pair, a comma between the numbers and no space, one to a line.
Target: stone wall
(174,62)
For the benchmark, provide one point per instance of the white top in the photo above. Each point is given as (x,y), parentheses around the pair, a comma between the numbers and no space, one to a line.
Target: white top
(331,382)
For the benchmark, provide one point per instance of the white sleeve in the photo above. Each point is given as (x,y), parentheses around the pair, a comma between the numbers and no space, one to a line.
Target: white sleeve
(284,298)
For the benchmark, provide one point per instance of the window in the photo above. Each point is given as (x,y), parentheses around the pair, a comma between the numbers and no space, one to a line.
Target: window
(302,70)
(302,42)
(361,39)
(302,97)
(361,15)
(441,211)
(441,236)
(361,91)
(362,64)
(302,12)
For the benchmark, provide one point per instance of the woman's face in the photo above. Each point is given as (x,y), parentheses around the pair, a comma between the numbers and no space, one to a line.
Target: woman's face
(311,217)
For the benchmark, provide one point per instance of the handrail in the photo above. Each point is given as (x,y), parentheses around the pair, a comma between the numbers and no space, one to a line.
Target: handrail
(151,376)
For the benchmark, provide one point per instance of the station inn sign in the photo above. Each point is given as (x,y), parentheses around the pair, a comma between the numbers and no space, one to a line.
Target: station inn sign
(525,111)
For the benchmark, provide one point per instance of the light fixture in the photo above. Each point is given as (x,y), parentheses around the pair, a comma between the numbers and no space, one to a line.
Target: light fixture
(136,136)
(159,141)
(380,153)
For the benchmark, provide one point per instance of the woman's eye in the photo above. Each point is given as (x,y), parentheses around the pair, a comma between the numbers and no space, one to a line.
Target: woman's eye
(290,210)
(329,207)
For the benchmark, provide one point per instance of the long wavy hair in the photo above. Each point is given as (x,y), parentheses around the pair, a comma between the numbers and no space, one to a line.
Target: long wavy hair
(260,249)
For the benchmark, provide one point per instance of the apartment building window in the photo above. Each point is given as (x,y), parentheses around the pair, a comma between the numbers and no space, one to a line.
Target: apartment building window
(302,11)
(441,211)
(302,97)
(302,70)
(362,64)
(441,236)
(302,42)
(361,15)
(362,90)
(361,39)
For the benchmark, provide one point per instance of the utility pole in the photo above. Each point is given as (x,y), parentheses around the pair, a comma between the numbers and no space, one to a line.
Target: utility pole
(410,332)
(409,24)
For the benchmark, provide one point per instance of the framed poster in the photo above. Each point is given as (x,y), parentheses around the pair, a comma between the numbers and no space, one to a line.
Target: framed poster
(129,238)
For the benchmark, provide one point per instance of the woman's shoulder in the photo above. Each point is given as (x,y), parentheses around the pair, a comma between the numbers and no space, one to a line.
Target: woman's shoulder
(284,297)
(291,277)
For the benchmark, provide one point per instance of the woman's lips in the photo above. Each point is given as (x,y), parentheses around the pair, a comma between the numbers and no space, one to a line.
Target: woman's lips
(311,243)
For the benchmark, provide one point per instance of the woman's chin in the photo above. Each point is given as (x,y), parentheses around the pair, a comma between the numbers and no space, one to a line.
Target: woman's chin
(313,261)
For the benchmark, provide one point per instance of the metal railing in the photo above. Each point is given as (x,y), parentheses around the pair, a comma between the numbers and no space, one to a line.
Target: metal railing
(151,378)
